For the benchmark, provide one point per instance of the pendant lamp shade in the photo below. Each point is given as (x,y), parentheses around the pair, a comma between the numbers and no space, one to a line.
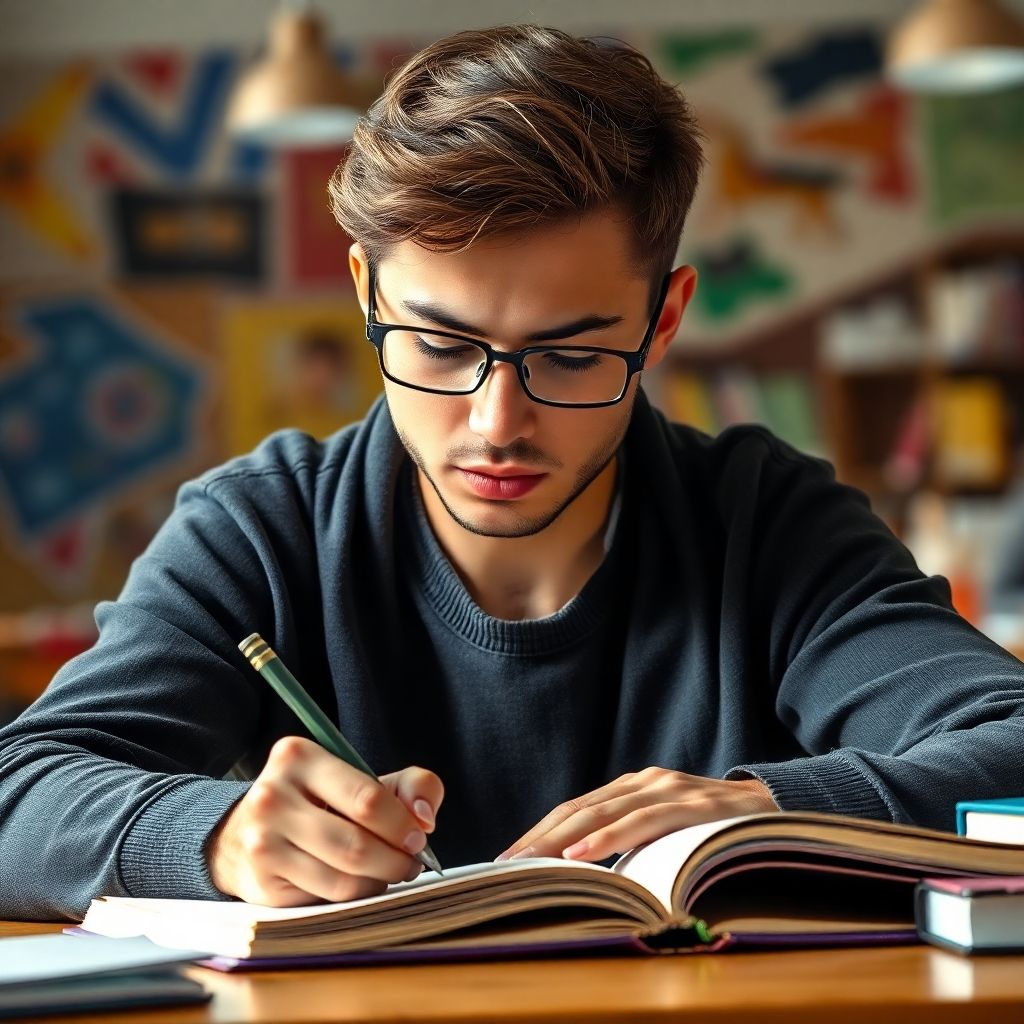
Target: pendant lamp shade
(957,46)
(296,95)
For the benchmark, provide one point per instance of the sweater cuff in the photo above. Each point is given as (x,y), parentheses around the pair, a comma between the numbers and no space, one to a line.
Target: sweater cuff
(830,783)
(164,852)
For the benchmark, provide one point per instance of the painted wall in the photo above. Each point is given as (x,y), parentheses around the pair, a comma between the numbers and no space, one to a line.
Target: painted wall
(167,298)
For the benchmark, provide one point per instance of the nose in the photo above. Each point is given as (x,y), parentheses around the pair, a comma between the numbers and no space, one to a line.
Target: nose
(501,412)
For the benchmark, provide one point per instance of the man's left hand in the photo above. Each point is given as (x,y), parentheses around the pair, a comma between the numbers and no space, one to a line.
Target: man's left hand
(635,809)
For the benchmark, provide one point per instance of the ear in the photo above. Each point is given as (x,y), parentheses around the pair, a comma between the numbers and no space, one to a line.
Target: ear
(359,267)
(681,284)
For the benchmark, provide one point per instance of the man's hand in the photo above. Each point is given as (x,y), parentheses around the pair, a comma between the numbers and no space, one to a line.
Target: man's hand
(312,827)
(635,809)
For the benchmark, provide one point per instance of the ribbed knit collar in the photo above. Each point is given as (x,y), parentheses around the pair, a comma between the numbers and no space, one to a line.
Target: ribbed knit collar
(447,596)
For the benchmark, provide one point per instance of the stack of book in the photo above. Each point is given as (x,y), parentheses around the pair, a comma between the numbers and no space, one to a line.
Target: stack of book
(978,913)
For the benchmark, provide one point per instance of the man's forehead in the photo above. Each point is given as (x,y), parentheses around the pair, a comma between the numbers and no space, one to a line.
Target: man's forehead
(515,278)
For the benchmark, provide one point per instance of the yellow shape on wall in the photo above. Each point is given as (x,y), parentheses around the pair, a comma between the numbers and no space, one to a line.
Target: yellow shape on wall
(25,145)
(303,364)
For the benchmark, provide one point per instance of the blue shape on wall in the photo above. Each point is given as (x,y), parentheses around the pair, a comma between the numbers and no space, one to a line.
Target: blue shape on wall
(99,406)
(176,149)
(832,57)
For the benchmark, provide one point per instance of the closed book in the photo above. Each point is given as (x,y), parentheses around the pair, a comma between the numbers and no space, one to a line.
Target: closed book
(783,879)
(43,974)
(972,914)
(998,821)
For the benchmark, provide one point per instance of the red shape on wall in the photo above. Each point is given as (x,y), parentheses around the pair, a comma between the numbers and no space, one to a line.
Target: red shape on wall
(875,132)
(106,167)
(317,248)
(158,70)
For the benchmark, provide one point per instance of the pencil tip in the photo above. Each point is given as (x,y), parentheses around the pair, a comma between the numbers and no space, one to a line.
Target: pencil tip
(428,857)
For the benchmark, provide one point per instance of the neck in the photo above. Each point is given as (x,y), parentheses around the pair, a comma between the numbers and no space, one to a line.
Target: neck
(528,577)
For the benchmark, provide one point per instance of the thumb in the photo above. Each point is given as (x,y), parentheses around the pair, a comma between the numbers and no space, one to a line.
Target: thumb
(420,790)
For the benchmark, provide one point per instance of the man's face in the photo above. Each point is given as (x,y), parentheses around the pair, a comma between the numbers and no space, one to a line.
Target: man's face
(501,464)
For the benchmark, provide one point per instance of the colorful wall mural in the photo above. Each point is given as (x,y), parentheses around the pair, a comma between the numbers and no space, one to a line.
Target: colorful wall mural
(168,297)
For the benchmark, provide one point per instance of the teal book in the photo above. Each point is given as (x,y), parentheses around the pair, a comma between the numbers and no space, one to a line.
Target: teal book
(997,821)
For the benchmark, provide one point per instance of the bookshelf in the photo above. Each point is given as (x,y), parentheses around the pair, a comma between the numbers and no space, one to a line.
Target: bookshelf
(914,380)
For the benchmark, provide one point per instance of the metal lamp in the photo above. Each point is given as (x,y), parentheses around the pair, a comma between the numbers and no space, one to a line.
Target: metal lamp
(957,46)
(296,95)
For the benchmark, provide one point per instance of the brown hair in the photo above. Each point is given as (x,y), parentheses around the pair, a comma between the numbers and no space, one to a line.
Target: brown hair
(500,130)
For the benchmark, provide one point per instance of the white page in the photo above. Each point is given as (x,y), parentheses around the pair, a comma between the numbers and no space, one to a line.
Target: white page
(237,913)
(36,958)
(656,865)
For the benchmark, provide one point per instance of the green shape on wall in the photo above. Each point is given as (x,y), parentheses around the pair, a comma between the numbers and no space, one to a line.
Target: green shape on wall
(733,277)
(687,53)
(975,150)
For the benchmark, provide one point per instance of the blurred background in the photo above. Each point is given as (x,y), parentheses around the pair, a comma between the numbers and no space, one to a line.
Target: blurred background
(173,288)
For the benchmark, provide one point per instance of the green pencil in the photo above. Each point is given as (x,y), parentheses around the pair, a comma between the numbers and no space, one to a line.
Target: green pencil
(327,734)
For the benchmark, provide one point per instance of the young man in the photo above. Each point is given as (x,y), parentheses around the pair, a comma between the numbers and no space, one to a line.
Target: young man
(590,627)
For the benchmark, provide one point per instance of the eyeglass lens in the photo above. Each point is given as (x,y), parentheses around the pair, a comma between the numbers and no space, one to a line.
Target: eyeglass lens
(559,375)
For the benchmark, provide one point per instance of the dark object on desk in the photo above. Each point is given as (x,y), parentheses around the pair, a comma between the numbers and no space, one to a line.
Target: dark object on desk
(972,915)
(43,974)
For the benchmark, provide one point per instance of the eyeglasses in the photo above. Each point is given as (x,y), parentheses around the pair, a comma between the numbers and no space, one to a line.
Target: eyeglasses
(442,363)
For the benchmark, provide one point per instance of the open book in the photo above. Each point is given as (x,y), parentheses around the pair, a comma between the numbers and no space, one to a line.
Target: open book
(766,878)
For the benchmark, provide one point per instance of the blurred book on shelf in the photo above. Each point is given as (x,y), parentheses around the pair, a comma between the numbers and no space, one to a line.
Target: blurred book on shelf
(881,332)
(784,402)
(971,434)
(977,313)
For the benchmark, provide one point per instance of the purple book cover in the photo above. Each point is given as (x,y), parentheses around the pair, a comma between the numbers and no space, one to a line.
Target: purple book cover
(605,946)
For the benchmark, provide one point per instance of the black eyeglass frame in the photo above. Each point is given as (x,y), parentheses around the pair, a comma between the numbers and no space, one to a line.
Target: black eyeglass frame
(376,332)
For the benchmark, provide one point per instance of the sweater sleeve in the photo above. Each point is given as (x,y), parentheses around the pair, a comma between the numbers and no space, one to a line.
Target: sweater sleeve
(902,706)
(113,780)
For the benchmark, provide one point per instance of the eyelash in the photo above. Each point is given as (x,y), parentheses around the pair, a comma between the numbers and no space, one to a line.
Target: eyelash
(574,364)
(441,353)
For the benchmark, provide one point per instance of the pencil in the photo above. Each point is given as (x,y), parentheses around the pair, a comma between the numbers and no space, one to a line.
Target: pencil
(262,658)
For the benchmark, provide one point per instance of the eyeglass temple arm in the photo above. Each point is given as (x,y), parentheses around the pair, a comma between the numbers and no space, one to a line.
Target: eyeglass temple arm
(371,301)
(652,327)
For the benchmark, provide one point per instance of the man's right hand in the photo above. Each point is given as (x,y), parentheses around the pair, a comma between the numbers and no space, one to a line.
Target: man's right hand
(312,827)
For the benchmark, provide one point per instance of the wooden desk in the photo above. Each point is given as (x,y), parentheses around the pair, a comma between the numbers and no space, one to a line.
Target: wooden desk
(894,985)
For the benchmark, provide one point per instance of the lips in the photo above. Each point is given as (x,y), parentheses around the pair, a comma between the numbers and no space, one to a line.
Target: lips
(505,483)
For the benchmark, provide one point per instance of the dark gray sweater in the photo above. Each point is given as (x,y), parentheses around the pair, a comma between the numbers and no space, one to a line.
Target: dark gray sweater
(751,617)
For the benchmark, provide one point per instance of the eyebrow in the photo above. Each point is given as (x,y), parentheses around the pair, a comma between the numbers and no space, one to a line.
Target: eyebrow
(442,318)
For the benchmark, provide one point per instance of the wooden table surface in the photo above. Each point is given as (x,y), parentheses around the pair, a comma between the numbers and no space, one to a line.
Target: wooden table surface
(888,985)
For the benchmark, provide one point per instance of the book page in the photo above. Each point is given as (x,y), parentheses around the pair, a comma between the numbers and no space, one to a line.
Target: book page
(123,912)
(657,864)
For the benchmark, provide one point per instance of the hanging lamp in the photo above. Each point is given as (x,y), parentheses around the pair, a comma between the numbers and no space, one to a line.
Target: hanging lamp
(957,46)
(296,96)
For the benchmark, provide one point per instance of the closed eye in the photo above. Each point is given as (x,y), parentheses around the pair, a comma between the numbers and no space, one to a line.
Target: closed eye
(443,351)
(572,363)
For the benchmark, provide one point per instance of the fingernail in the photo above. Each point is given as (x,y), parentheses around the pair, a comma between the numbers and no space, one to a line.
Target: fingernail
(424,811)
(526,851)
(577,849)
(414,842)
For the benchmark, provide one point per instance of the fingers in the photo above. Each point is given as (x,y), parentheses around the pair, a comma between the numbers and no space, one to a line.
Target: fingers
(585,820)
(529,845)
(313,827)
(349,792)
(420,790)
(639,826)
(635,809)
(280,874)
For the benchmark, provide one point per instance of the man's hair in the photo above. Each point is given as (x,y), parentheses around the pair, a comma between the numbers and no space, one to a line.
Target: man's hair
(506,129)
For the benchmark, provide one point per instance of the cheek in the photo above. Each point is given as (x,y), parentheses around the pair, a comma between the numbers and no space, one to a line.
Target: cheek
(430,421)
